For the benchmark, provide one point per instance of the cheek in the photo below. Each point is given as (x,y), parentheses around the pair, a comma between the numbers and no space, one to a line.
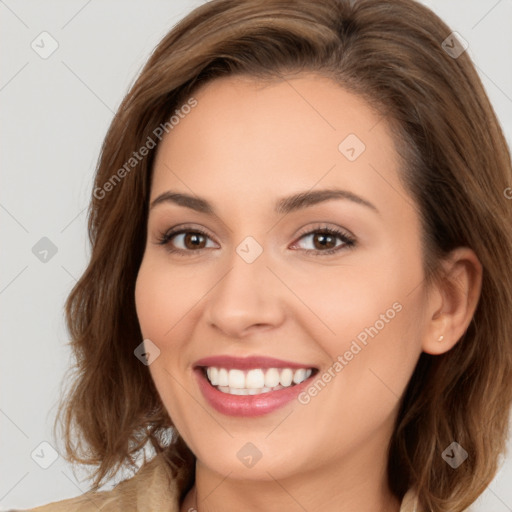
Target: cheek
(345,304)
(168,302)
(376,353)
(375,318)
(160,307)
(160,299)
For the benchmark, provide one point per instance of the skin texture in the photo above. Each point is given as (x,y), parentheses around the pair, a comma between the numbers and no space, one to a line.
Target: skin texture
(245,145)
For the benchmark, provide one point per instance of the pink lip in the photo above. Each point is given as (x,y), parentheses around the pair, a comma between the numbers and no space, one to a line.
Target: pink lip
(247,405)
(244,363)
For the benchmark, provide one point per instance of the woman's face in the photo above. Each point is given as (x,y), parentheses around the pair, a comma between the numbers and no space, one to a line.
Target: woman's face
(267,280)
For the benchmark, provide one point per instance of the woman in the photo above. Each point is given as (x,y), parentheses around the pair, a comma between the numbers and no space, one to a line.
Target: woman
(299,288)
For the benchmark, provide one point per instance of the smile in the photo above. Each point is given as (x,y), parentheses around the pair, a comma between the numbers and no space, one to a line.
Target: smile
(255,381)
(251,386)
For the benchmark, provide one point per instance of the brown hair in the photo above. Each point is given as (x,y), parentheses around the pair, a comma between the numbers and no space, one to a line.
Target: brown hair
(457,166)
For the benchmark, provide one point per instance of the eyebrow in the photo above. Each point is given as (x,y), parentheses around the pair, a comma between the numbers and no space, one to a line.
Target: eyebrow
(284,205)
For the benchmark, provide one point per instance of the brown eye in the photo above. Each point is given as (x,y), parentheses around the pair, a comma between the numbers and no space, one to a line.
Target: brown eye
(193,240)
(324,241)
(186,240)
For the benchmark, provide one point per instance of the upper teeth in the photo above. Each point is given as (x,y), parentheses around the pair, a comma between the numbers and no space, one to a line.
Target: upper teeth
(256,378)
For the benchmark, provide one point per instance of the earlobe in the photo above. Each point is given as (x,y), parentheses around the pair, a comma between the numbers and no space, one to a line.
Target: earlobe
(456,298)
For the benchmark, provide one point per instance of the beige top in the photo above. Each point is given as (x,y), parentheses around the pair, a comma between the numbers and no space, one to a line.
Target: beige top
(151,489)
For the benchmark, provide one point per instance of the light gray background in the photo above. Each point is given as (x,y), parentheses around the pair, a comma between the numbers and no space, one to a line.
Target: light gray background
(55,113)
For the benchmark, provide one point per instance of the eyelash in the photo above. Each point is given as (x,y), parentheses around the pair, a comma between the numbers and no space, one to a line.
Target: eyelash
(348,241)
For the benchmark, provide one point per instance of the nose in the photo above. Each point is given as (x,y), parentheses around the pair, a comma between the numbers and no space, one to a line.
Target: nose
(248,297)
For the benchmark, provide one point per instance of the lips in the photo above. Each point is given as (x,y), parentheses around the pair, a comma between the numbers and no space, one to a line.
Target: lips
(247,363)
(235,399)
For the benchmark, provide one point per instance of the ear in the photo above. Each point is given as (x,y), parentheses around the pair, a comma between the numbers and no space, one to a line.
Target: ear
(453,301)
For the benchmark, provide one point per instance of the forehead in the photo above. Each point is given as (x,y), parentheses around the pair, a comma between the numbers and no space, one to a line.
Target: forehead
(246,139)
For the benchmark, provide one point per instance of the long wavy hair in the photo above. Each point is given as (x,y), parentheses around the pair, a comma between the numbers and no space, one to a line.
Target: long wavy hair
(457,169)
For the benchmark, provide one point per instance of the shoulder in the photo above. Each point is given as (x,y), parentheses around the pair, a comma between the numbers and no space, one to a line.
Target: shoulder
(410,503)
(151,488)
